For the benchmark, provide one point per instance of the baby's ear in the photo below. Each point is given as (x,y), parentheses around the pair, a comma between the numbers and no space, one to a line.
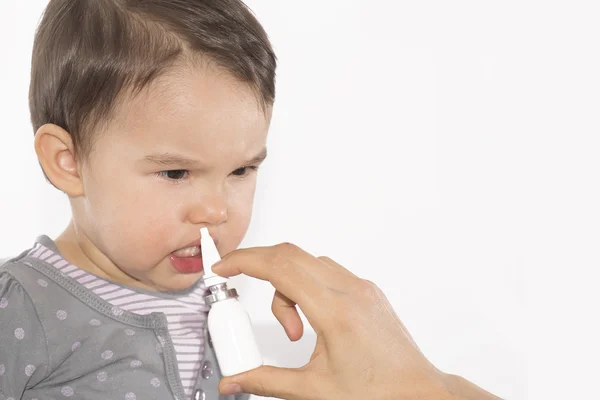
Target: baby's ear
(55,151)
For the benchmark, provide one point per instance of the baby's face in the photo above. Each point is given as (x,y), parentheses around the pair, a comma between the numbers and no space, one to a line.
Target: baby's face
(180,156)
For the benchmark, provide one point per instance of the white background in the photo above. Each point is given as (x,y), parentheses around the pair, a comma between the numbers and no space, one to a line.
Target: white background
(447,151)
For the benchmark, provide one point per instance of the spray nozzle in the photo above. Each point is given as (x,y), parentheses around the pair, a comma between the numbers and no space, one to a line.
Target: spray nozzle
(210,255)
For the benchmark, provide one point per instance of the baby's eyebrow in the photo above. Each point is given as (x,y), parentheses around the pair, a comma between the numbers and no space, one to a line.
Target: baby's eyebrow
(260,157)
(179,161)
(170,159)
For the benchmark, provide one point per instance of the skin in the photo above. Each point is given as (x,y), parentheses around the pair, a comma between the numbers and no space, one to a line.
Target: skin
(346,312)
(129,215)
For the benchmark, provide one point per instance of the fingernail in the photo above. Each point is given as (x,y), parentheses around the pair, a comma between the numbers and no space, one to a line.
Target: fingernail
(231,388)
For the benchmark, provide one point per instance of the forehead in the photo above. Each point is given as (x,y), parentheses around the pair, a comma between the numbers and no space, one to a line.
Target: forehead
(201,112)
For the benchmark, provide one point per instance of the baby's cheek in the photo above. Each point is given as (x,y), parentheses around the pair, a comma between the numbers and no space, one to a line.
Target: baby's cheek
(240,201)
(237,226)
(141,237)
(158,232)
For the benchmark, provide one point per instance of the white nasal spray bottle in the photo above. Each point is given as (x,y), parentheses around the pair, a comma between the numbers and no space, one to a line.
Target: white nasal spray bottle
(228,322)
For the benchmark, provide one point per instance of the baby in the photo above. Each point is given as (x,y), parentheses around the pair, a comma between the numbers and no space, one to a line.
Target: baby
(152,117)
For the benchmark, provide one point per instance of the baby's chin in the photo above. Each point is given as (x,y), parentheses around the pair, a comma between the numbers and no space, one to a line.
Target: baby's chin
(164,278)
(179,282)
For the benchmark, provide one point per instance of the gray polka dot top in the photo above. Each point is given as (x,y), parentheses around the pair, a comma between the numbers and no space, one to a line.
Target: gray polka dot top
(58,340)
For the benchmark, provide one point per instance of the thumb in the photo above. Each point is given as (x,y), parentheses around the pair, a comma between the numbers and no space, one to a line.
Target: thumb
(267,381)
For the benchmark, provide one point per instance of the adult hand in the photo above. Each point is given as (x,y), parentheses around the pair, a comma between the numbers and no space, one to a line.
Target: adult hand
(363,350)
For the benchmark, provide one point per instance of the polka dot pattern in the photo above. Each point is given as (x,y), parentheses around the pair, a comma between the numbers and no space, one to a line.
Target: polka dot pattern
(29,370)
(19,333)
(107,348)
(67,391)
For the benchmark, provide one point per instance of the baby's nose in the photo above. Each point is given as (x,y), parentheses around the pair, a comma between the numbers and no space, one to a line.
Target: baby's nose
(210,210)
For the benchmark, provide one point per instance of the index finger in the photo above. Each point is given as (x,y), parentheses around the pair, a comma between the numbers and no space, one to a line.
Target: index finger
(286,266)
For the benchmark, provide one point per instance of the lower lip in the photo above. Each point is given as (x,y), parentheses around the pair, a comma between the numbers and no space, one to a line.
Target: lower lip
(187,265)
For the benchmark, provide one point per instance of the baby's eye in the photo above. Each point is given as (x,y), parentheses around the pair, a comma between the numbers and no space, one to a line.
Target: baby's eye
(174,174)
(243,171)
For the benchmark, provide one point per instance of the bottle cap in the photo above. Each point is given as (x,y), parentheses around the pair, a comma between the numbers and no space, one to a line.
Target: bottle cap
(210,255)
(220,292)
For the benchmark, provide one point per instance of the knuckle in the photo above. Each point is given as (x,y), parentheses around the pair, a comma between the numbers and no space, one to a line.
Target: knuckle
(281,256)
(286,248)
(325,258)
(368,290)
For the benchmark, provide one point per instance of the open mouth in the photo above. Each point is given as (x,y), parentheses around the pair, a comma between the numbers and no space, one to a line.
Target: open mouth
(187,260)
(187,252)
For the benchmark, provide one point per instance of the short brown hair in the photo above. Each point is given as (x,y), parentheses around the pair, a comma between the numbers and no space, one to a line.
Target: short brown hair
(87,52)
